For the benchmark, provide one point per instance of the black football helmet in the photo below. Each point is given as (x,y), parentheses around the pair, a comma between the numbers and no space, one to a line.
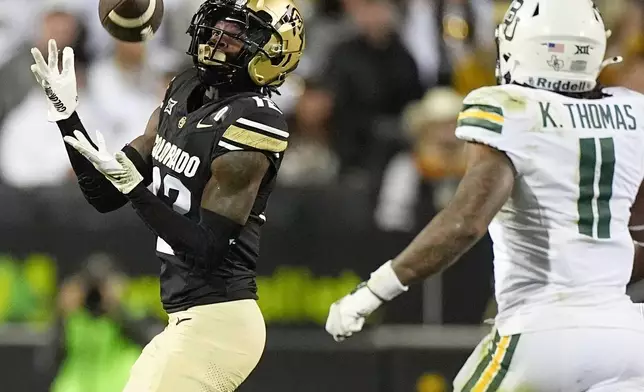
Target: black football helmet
(271,32)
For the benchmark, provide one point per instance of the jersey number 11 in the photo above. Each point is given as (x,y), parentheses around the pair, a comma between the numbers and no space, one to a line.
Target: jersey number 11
(596,172)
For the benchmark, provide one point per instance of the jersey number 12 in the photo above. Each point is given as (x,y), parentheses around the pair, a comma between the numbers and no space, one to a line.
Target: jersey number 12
(181,204)
(596,172)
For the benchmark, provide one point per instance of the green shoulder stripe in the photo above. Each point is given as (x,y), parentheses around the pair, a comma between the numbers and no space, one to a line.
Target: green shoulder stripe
(484,108)
(480,123)
(488,117)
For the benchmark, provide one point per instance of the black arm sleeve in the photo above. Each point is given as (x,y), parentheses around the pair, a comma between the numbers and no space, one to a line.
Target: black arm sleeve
(97,189)
(204,243)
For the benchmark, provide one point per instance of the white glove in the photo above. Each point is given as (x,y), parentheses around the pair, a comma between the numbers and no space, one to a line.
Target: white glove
(118,169)
(60,87)
(348,315)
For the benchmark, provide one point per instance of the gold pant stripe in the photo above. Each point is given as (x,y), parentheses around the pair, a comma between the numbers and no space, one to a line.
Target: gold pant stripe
(493,367)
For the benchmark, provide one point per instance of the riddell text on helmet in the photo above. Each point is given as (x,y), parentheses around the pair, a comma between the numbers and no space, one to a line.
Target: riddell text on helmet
(559,85)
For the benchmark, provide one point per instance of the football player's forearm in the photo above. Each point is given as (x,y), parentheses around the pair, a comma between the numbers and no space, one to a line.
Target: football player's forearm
(98,190)
(207,240)
(482,192)
(443,241)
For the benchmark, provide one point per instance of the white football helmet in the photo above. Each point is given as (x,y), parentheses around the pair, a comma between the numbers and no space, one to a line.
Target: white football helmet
(556,45)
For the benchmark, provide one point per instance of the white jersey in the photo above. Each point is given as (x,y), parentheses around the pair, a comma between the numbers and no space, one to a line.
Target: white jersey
(563,254)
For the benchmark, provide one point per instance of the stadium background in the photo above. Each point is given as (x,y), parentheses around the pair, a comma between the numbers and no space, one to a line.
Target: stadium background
(372,158)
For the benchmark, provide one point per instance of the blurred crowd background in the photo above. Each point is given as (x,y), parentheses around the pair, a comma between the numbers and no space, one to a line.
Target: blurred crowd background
(371,106)
(372,110)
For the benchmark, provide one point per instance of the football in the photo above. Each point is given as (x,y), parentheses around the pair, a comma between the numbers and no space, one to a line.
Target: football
(131,20)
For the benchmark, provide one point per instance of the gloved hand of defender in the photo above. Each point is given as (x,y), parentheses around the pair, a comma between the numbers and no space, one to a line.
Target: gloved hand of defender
(118,169)
(348,315)
(60,86)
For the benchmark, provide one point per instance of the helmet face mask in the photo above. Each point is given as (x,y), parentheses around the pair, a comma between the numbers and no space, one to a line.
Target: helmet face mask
(261,29)
(551,44)
(216,66)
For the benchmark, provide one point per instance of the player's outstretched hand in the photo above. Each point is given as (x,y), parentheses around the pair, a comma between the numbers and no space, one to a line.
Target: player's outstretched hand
(59,86)
(118,169)
(348,315)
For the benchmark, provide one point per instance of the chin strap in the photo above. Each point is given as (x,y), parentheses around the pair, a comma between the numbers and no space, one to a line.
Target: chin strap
(611,61)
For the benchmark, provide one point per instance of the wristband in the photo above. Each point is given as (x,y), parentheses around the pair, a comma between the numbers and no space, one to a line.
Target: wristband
(385,284)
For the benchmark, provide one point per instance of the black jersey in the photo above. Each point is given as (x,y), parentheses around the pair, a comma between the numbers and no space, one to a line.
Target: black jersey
(185,146)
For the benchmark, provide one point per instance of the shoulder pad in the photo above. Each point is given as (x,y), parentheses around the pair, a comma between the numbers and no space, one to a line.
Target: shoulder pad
(259,125)
(490,108)
(512,98)
(260,104)
(495,116)
(482,110)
